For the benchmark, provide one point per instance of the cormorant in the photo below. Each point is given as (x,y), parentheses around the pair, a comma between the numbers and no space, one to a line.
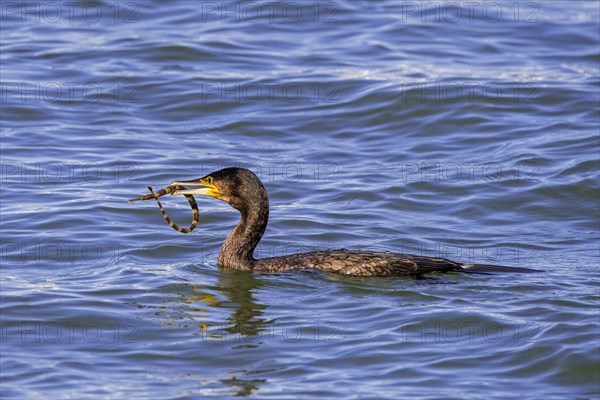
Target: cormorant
(244,191)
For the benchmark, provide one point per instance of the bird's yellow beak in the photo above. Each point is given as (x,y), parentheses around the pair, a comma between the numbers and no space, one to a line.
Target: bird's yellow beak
(209,188)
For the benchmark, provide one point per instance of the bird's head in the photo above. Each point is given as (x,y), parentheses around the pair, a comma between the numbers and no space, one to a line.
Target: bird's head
(239,187)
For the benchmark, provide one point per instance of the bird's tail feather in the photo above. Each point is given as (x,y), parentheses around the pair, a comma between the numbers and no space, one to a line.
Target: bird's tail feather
(494,269)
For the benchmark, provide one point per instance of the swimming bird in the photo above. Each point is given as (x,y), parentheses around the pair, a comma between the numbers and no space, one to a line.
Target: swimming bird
(243,190)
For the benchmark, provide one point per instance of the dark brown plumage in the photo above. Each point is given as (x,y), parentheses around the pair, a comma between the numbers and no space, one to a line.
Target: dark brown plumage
(243,190)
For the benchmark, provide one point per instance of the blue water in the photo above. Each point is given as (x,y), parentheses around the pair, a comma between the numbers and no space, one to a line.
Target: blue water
(470,133)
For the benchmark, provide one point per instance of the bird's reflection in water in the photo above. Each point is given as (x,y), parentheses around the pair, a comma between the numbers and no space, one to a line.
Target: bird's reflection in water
(243,387)
(247,317)
(234,294)
(244,326)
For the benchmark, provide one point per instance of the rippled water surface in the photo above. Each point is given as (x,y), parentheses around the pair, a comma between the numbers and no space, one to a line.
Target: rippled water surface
(465,132)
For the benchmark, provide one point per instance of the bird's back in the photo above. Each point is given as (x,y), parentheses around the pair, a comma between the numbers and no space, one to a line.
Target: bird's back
(358,263)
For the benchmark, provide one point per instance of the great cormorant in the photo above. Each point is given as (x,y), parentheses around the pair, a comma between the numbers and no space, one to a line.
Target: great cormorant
(242,190)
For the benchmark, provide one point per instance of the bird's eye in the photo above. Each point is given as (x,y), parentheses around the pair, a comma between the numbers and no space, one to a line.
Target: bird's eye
(209,180)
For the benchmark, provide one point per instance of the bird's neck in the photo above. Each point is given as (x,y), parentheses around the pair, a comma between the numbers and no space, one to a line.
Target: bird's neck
(238,249)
